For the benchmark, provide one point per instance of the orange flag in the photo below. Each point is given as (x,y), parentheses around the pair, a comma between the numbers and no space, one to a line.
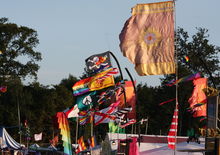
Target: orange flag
(198,97)
(147,38)
(130,98)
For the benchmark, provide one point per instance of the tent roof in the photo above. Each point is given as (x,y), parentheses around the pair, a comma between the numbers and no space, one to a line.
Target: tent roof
(7,141)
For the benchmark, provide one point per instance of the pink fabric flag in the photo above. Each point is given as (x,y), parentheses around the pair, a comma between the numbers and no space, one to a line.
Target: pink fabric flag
(147,38)
(171,138)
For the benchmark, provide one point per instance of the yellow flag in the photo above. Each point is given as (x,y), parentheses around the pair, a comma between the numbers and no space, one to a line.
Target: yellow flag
(102,80)
(147,38)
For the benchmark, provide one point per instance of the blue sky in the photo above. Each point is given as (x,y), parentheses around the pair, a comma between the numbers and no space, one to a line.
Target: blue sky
(70,31)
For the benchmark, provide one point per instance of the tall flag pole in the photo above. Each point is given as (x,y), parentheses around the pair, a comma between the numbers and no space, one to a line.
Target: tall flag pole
(176,112)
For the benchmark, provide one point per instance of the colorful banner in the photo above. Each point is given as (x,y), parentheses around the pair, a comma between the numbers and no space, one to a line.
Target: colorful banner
(97,82)
(198,97)
(81,87)
(98,62)
(81,145)
(103,116)
(147,38)
(109,94)
(86,101)
(65,132)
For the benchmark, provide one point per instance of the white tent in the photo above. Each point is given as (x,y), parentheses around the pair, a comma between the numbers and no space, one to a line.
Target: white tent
(7,141)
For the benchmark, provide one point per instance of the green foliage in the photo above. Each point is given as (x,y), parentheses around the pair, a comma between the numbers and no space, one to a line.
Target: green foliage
(203,56)
(38,105)
(18,58)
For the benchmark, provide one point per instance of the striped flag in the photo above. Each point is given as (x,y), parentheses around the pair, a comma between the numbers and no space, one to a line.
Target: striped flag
(86,116)
(132,121)
(173,130)
(110,72)
(81,145)
(103,116)
(122,112)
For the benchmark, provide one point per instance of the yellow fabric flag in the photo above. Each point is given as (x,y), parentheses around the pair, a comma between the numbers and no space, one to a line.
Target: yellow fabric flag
(147,38)
(102,80)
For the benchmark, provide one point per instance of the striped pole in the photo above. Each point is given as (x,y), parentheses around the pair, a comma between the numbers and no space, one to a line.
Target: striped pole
(171,138)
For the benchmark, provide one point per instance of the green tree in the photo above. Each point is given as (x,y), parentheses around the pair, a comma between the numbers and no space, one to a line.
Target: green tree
(17,45)
(203,58)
